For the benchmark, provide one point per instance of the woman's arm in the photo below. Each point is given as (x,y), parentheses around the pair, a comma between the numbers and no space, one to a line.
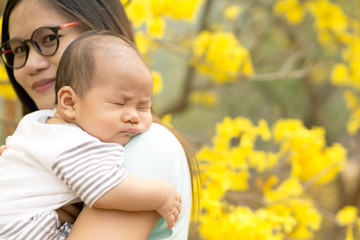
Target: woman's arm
(155,154)
(94,224)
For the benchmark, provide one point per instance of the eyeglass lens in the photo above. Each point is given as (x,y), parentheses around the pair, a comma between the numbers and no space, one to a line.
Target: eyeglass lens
(15,52)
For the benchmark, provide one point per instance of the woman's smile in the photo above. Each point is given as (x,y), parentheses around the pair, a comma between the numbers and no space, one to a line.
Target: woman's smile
(43,85)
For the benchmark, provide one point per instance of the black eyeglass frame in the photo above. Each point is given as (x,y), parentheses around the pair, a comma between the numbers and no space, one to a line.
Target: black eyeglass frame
(55,30)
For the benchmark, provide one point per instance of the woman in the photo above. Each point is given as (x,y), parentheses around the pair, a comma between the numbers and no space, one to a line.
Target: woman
(156,154)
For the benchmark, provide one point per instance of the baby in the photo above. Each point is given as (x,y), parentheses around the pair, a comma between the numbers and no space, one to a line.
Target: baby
(75,152)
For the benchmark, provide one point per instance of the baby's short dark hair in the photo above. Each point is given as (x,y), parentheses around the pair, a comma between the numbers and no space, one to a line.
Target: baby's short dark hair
(78,63)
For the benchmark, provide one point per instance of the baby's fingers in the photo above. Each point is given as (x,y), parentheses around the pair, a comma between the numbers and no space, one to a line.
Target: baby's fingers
(170,221)
(178,205)
(176,214)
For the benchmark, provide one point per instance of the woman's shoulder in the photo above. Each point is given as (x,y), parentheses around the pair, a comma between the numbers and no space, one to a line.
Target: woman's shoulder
(156,137)
(157,131)
(156,149)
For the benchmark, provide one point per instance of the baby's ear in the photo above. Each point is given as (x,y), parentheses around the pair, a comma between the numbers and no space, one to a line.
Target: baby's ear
(67,99)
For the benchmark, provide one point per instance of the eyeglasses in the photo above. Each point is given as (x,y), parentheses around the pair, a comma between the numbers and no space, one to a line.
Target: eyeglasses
(45,41)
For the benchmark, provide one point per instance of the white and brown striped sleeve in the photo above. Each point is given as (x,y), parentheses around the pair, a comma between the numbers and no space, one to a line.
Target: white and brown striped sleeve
(91,169)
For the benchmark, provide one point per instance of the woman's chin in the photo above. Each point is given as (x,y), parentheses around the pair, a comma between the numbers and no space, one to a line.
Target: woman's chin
(46,103)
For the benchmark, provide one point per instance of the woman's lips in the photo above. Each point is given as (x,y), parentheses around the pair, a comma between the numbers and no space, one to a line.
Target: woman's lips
(43,85)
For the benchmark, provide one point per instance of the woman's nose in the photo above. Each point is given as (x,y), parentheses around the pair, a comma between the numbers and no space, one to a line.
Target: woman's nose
(36,61)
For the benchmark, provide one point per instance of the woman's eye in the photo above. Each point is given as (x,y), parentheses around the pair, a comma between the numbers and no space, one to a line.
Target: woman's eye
(19,50)
(50,39)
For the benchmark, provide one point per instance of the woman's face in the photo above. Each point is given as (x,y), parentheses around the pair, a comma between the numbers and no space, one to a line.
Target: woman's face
(37,77)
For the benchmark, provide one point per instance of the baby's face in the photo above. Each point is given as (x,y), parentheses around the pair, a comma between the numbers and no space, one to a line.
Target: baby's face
(118,106)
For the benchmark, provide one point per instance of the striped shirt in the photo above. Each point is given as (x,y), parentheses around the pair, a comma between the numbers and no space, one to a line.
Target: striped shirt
(47,166)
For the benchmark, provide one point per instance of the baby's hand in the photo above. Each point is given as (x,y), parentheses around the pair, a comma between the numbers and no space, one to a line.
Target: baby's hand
(171,205)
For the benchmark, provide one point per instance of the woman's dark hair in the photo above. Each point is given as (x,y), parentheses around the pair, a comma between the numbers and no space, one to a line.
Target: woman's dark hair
(93,15)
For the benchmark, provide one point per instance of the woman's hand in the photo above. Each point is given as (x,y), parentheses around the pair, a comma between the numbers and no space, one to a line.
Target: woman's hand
(2,148)
(69,213)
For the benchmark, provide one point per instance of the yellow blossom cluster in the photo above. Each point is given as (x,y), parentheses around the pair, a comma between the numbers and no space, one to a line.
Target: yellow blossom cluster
(352,102)
(206,98)
(347,216)
(331,24)
(232,12)
(152,13)
(302,146)
(6,89)
(336,32)
(291,9)
(158,82)
(239,223)
(166,119)
(222,56)
(347,74)
(235,158)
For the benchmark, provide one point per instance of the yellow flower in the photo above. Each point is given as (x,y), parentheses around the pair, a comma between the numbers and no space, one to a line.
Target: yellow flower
(166,119)
(158,7)
(347,215)
(349,233)
(201,44)
(158,83)
(330,22)
(221,56)
(239,223)
(307,217)
(142,42)
(328,15)
(139,12)
(290,187)
(353,123)
(3,73)
(183,9)
(351,100)
(6,89)
(307,151)
(340,75)
(156,27)
(264,130)
(206,98)
(232,12)
(291,9)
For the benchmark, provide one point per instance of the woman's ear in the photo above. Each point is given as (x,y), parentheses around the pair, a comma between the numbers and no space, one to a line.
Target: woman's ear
(67,98)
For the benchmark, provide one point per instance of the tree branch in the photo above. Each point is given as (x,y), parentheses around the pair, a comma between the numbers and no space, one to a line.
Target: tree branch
(183,102)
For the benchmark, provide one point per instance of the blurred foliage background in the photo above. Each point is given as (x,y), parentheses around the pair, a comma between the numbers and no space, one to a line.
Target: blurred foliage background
(267,93)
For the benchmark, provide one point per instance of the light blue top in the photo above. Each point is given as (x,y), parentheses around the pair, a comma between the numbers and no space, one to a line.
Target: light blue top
(157,154)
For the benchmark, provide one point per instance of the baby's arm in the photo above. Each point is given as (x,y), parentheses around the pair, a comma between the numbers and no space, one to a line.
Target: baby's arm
(138,194)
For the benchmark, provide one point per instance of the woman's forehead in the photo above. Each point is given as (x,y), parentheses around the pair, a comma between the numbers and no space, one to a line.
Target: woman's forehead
(29,15)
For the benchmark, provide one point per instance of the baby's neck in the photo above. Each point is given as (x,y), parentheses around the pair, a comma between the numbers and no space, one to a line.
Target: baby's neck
(56,119)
